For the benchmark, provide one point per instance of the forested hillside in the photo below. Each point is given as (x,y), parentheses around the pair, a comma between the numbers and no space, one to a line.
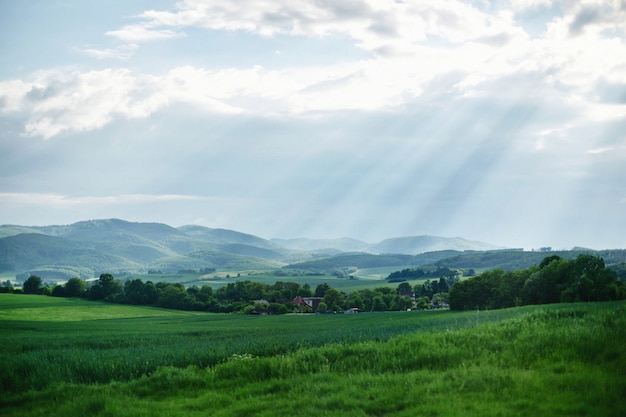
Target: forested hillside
(90,248)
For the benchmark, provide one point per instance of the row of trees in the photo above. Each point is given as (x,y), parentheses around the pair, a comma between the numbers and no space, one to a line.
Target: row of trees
(418,273)
(554,280)
(240,296)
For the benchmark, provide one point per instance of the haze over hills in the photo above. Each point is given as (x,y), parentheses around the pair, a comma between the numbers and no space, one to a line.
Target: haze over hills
(407,245)
(88,248)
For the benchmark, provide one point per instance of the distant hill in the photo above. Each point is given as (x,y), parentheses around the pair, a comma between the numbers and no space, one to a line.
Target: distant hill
(39,252)
(367,260)
(510,260)
(344,244)
(12,230)
(408,245)
(225,236)
(419,244)
(89,248)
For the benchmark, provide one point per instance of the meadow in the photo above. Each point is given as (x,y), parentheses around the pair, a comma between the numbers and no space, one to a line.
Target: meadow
(365,278)
(73,357)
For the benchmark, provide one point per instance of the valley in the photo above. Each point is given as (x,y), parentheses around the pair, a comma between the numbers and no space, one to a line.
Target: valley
(196,255)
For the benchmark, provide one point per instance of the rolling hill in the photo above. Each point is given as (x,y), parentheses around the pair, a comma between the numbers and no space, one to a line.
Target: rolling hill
(89,248)
(407,245)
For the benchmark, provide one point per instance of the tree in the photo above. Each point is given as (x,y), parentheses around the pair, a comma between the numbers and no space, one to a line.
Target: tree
(107,287)
(378,304)
(547,284)
(426,290)
(355,301)
(305,291)
(173,296)
(443,286)
(287,290)
(75,287)
(322,307)
(135,292)
(473,293)
(277,308)
(555,280)
(152,294)
(321,289)
(204,294)
(422,303)
(547,260)
(58,291)
(32,285)
(400,303)
(404,288)
(333,299)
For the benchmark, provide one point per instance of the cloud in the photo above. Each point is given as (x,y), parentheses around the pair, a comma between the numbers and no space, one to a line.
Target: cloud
(598,151)
(143,33)
(413,45)
(373,25)
(59,101)
(597,16)
(529,4)
(122,52)
(12,95)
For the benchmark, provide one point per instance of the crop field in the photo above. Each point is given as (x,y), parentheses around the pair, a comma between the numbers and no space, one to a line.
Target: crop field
(65,357)
(364,279)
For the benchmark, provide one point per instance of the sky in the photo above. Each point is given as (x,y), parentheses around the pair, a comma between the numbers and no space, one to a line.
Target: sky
(501,121)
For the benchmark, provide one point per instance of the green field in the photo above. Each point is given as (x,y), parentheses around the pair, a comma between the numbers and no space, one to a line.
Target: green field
(66,357)
(365,278)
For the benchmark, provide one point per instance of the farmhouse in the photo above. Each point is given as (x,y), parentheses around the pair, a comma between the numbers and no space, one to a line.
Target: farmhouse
(307,302)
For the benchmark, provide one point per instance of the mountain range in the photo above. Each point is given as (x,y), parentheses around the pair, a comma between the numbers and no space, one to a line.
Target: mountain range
(88,248)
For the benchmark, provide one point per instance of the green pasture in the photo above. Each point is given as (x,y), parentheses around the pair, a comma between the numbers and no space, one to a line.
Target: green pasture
(553,360)
(376,273)
(363,279)
(18,307)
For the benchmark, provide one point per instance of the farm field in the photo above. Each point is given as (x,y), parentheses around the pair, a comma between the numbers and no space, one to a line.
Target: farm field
(365,278)
(73,357)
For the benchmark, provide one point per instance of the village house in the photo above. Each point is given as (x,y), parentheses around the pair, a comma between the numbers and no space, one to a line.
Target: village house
(307,303)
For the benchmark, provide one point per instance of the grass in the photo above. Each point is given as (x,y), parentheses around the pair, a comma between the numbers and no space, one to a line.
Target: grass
(218,279)
(53,309)
(557,360)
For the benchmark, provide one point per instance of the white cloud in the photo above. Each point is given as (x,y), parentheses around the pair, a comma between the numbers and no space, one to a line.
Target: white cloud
(597,16)
(529,4)
(598,151)
(58,101)
(12,95)
(122,52)
(143,33)
(423,41)
(374,25)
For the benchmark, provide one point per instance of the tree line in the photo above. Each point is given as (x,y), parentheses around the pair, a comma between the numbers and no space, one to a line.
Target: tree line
(241,296)
(417,273)
(554,280)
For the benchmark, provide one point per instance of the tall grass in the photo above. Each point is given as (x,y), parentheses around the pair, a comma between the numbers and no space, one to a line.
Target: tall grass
(550,360)
(74,341)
